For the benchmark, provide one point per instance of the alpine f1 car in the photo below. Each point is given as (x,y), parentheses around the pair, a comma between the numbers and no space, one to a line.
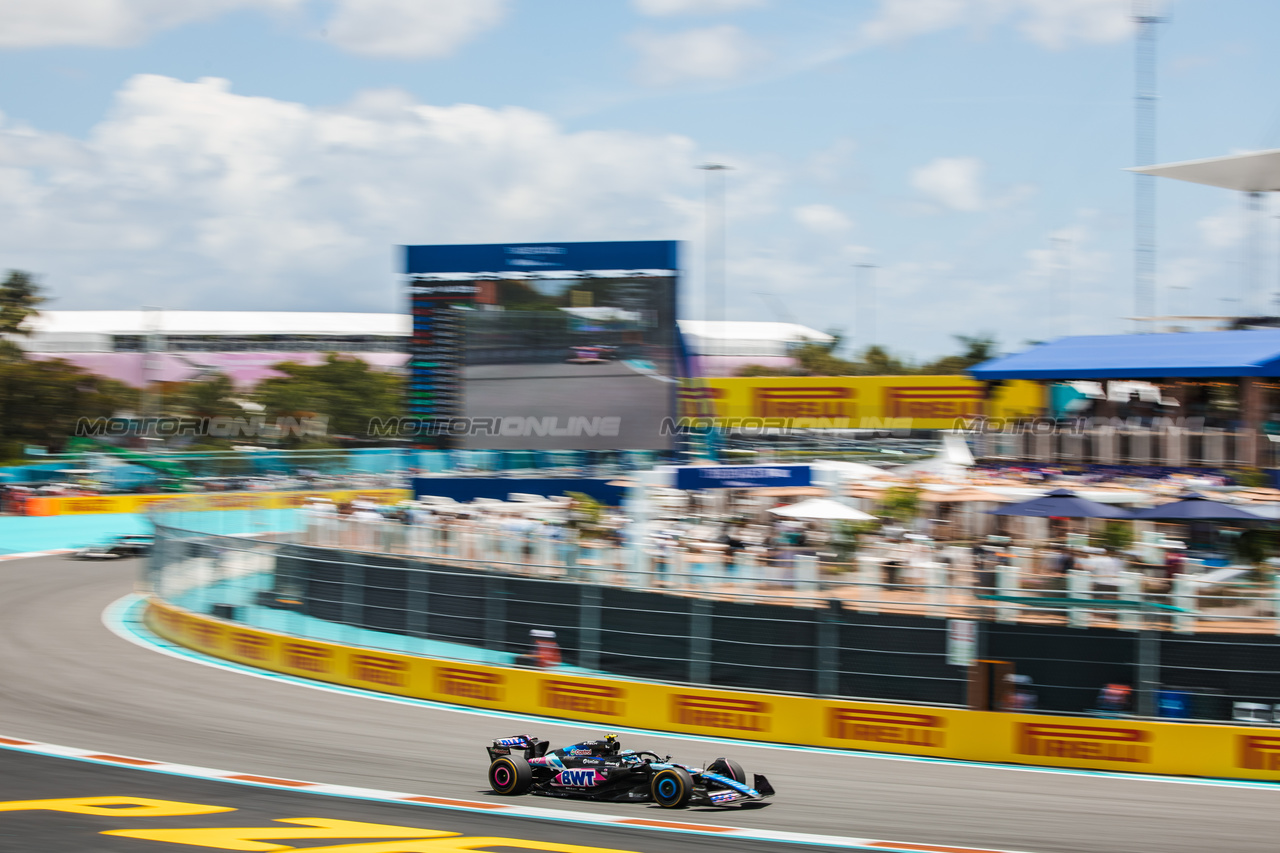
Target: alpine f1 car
(602,770)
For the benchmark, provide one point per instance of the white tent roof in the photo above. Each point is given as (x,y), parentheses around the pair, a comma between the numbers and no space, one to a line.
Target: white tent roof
(1255,172)
(219,323)
(822,508)
(735,330)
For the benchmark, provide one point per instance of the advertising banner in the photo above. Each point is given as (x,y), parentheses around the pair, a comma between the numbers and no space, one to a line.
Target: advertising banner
(541,257)
(741,476)
(859,402)
(1120,744)
(204,501)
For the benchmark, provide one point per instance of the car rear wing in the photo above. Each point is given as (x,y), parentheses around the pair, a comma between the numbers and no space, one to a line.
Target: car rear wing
(528,744)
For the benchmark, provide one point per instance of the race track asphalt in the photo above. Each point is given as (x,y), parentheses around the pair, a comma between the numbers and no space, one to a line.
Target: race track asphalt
(68,680)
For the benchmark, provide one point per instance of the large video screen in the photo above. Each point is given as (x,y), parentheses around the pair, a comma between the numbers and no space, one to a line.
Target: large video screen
(571,363)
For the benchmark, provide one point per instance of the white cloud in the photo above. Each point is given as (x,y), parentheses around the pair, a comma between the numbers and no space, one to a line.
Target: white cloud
(953,182)
(1051,23)
(388,28)
(659,8)
(822,219)
(1223,230)
(108,23)
(410,29)
(712,53)
(191,195)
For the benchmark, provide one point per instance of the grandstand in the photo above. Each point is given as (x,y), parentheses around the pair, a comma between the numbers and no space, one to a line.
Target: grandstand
(144,346)
(141,347)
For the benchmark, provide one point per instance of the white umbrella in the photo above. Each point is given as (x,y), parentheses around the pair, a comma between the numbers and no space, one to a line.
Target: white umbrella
(854,470)
(822,508)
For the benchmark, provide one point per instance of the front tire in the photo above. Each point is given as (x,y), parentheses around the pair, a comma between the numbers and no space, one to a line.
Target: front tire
(510,775)
(671,788)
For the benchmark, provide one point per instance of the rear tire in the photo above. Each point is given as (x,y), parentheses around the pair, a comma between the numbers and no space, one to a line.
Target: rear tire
(671,788)
(510,775)
(730,768)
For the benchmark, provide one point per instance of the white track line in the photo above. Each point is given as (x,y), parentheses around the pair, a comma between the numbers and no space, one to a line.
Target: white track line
(53,553)
(488,808)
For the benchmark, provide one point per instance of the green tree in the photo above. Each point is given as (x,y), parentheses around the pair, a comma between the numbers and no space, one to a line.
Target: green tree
(20,300)
(1117,535)
(344,389)
(877,361)
(976,349)
(901,503)
(214,397)
(41,401)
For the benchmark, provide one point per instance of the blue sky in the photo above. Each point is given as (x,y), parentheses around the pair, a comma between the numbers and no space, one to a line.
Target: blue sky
(269,154)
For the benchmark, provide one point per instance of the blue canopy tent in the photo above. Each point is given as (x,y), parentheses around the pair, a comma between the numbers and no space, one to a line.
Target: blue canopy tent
(1196,507)
(1187,354)
(1063,503)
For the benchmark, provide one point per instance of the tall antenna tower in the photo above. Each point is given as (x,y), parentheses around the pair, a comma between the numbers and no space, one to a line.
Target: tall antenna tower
(1144,188)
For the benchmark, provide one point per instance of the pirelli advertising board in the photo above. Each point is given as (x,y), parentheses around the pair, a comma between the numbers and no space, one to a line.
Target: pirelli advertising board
(1182,749)
(204,501)
(859,402)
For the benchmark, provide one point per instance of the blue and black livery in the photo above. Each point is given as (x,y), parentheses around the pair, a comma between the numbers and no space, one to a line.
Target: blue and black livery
(602,770)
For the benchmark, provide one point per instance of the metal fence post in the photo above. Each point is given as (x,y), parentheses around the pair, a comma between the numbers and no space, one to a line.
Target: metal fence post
(868,588)
(1276,581)
(700,641)
(1184,597)
(589,625)
(1130,587)
(936,579)
(1078,587)
(744,569)
(1006,584)
(828,651)
(677,572)
(806,572)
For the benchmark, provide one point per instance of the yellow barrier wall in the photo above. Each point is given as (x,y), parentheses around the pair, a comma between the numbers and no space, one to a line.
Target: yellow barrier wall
(1183,749)
(859,402)
(203,501)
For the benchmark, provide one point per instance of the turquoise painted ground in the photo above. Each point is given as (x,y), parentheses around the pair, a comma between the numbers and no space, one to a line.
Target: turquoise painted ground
(20,534)
(242,593)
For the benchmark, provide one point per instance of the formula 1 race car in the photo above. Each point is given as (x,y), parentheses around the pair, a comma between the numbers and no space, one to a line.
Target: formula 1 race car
(591,354)
(127,545)
(602,770)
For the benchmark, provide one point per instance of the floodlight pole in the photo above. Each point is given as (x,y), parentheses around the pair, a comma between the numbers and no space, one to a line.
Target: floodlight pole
(714,237)
(1144,188)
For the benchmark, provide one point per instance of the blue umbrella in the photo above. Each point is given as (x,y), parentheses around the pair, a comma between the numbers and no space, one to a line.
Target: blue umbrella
(1063,503)
(1197,507)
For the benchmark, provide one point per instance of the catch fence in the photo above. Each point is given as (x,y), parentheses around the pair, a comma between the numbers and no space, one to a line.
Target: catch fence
(884,626)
